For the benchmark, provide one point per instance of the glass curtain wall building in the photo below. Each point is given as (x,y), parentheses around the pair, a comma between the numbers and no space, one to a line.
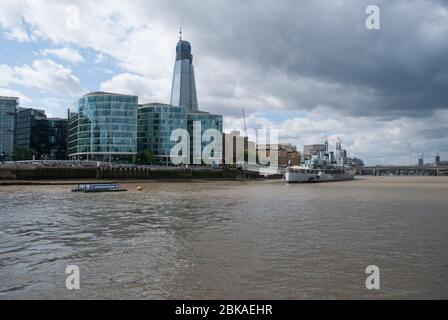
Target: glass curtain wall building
(103,127)
(183,89)
(53,138)
(183,93)
(47,136)
(8,107)
(156,121)
(206,121)
(26,124)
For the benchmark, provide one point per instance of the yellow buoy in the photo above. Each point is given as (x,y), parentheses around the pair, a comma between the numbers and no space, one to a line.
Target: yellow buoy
(139,188)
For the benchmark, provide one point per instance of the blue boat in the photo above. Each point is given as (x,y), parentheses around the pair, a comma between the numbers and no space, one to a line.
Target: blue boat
(98,187)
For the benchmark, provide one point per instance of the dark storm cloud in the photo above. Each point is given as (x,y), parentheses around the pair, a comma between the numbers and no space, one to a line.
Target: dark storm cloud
(312,53)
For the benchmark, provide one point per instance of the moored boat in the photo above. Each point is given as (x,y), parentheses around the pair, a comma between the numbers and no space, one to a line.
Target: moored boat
(98,187)
(322,167)
(301,174)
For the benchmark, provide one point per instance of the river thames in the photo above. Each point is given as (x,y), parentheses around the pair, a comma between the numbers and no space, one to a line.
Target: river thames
(228,240)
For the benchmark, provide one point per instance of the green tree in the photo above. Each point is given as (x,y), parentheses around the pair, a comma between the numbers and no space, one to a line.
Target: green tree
(22,153)
(145,157)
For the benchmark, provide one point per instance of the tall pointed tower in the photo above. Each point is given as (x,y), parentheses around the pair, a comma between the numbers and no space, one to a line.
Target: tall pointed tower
(183,89)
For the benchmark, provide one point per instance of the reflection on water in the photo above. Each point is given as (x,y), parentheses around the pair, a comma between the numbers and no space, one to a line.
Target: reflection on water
(228,240)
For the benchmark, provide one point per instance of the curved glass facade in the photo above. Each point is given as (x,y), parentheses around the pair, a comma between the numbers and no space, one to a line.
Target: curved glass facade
(156,121)
(103,127)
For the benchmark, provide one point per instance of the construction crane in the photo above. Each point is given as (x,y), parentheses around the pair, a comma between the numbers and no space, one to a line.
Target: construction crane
(244,121)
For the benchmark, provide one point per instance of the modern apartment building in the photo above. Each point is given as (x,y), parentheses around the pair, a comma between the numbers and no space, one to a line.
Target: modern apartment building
(47,136)
(156,122)
(102,126)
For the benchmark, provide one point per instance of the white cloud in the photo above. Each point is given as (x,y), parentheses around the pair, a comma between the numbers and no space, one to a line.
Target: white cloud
(5,92)
(56,107)
(45,75)
(11,20)
(17,34)
(6,75)
(100,57)
(117,29)
(146,89)
(140,36)
(65,53)
(375,141)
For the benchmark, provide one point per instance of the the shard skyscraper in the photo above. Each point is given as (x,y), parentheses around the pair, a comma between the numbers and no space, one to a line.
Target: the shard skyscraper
(183,89)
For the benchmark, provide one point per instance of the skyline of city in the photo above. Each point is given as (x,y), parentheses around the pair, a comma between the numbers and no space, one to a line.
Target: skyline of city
(51,68)
(223,159)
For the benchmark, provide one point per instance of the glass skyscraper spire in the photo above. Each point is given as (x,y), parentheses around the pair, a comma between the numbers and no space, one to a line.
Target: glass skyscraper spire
(183,90)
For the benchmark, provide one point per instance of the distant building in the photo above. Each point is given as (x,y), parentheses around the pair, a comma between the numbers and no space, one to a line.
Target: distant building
(437,160)
(357,162)
(183,90)
(420,162)
(287,153)
(234,148)
(103,127)
(313,150)
(47,136)
(156,122)
(341,154)
(8,107)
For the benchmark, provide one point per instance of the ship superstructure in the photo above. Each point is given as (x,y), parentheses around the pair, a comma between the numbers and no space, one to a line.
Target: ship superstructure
(323,166)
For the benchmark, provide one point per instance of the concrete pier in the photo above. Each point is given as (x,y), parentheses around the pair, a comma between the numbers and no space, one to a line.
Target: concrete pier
(125,172)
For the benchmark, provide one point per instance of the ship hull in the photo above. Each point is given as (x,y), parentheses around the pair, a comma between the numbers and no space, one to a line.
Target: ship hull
(295,177)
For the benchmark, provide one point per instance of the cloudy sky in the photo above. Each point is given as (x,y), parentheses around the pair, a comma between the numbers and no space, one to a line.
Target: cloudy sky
(308,68)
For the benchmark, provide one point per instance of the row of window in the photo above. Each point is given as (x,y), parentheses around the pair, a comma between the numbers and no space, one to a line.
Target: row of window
(108,99)
(162,121)
(161,110)
(106,128)
(88,149)
(105,141)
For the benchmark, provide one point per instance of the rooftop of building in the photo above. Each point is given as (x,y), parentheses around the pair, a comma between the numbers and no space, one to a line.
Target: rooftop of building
(286,146)
(198,112)
(183,50)
(153,104)
(8,98)
(102,93)
(183,44)
(233,133)
(203,112)
(315,145)
(19,109)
